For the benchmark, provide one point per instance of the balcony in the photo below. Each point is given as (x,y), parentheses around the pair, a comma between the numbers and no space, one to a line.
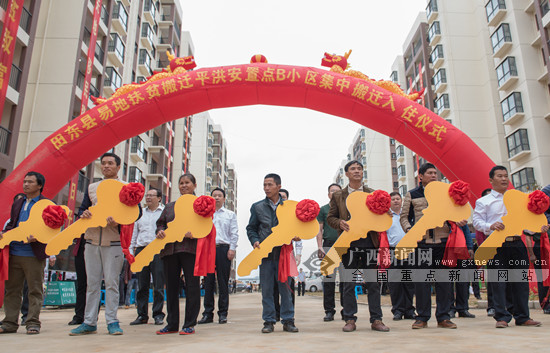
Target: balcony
(502,50)
(144,63)
(400,153)
(154,172)
(26,20)
(137,150)
(5,135)
(515,117)
(115,50)
(147,37)
(431,11)
(112,81)
(120,19)
(163,43)
(434,33)
(149,11)
(166,19)
(155,145)
(15,77)
(508,83)
(437,57)
(495,11)
(99,54)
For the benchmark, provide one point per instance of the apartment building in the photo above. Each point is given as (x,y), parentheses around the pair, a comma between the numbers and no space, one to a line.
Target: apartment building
(377,153)
(131,44)
(487,73)
(209,164)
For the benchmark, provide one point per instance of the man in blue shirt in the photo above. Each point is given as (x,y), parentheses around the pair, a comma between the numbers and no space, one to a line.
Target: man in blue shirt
(27,262)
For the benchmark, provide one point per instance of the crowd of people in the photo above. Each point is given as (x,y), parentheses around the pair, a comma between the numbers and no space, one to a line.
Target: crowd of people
(99,259)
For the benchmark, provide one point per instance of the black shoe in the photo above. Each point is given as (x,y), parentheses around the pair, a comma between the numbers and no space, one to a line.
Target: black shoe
(452,314)
(466,313)
(74,322)
(206,320)
(397,316)
(289,327)
(491,312)
(268,327)
(223,319)
(546,311)
(410,316)
(329,317)
(478,297)
(139,321)
(159,320)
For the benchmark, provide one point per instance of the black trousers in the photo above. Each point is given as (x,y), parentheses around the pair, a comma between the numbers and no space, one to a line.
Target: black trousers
(423,290)
(543,290)
(156,270)
(359,256)
(301,288)
(460,291)
(81,282)
(401,293)
(173,265)
(223,269)
(329,285)
(512,255)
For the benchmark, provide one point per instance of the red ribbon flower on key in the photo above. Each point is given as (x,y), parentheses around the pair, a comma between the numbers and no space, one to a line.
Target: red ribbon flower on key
(379,202)
(538,202)
(131,194)
(307,210)
(204,206)
(459,192)
(54,216)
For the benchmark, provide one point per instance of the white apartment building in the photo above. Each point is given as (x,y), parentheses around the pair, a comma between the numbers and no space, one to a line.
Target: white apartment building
(487,73)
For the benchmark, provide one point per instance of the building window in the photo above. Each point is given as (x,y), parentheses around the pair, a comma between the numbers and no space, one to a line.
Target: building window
(442,103)
(432,7)
(392,142)
(440,77)
(506,70)
(544,7)
(145,59)
(124,170)
(435,29)
(117,46)
(395,184)
(135,175)
(517,142)
(511,105)
(394,170)
(524,180)
(393,155)
(403,190)
(401,171)
(112,78)
(138,147)
(492,8)
(501,36)
(436,53)
(119,12)
(394,76)
(400,151)
(365,175)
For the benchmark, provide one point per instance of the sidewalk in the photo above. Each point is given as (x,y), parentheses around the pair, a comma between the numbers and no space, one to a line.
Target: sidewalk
(242,333)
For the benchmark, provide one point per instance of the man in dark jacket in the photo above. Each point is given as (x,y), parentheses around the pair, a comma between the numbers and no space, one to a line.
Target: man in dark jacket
(27,262)
(262,218)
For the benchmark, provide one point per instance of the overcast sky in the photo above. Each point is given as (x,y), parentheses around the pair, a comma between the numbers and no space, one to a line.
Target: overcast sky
(305,147)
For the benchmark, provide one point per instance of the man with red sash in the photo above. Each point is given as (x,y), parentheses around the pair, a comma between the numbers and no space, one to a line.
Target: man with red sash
(433,244)
(359,256)
(274,270)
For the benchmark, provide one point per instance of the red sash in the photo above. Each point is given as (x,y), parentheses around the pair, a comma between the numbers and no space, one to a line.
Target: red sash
(456,247)
(126,232)
(205,259)
(384,256)
(287,263)
(4,270)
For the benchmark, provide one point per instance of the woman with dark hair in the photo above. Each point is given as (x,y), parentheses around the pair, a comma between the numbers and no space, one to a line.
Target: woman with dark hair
(176,257)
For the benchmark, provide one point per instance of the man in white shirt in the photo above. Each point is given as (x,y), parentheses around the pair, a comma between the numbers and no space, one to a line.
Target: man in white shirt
(401,293)
(227,235)
(301,282)
(488,218)
(144,233)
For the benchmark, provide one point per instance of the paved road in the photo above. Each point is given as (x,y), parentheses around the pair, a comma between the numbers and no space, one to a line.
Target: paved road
(242,334)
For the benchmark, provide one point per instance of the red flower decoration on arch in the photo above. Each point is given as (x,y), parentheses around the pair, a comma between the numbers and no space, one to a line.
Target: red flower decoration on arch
(54,216)
(538,202)
(204,206)
(307,210)
(379,202)
(131,194)
(459,192)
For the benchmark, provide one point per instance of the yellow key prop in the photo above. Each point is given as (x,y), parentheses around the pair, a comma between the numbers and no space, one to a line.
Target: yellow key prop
(518,218)
(441,208)
(289,226)
(362,221)
(185,220)
(34,226)
(108,205)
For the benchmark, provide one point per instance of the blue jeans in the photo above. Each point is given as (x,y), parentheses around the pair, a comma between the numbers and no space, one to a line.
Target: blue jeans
(269,270)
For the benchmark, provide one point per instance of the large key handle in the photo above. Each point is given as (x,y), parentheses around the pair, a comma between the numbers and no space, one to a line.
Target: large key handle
(108,205)
(34,226)
(289,227)
(185,220)
(361,222)
(515,221)
(441,208)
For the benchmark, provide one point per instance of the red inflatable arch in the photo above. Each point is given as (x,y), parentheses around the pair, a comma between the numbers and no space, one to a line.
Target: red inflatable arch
(82,140)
